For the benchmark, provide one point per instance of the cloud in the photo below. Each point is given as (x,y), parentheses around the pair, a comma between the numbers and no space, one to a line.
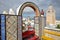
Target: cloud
(42,4)
(28,9)
(56,3)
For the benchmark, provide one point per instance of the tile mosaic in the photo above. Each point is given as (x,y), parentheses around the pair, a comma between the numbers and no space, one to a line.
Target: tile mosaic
(19,28)
(11,27)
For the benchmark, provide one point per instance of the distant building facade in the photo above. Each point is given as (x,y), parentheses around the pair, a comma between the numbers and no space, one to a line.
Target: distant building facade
(57,21)
(50,15)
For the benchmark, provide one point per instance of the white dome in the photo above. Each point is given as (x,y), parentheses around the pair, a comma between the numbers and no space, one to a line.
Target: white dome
(4,12)
(11,11)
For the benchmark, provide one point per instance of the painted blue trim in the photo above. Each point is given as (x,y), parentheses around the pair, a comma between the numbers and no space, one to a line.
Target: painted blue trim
(2,27)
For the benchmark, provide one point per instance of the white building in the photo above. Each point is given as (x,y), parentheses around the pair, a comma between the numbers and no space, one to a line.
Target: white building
(57,21)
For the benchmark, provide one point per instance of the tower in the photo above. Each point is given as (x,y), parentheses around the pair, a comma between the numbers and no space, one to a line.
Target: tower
(50,15)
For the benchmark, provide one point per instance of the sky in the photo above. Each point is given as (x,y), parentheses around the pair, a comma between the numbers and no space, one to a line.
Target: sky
(42,4)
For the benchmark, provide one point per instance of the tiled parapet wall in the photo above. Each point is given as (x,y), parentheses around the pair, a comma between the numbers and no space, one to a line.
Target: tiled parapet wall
(52,34)
(11,27)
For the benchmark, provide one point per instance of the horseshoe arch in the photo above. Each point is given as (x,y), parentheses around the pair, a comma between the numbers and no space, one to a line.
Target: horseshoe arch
(29,4)
(33,6)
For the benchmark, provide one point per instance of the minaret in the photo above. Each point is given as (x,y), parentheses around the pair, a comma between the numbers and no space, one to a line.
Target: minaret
(50,15)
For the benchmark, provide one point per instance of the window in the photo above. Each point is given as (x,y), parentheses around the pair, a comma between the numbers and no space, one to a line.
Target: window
(48,11)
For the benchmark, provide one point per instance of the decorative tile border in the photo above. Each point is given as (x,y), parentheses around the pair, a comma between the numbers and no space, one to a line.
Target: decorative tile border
(19,28)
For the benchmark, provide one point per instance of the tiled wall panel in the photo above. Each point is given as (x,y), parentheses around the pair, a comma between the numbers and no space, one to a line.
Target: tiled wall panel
(11,27)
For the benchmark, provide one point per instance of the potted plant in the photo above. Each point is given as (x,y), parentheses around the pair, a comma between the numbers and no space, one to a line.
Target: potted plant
(58,26)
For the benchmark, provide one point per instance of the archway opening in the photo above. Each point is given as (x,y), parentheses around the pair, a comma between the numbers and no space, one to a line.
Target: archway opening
(37,15)
(28,31)
(28,17)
